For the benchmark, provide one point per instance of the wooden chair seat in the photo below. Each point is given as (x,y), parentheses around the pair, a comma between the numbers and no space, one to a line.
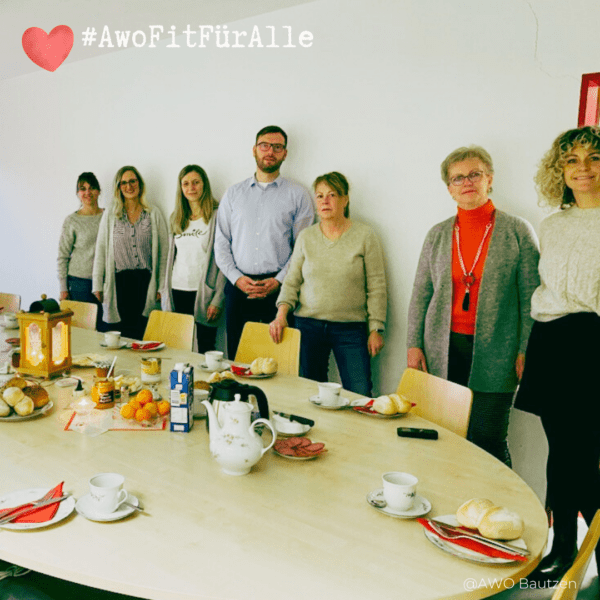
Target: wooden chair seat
(173,329)
(84,313)
(10,302)
(256,342)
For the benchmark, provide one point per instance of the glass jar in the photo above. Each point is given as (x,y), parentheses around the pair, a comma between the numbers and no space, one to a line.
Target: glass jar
(151,370)
(103,392)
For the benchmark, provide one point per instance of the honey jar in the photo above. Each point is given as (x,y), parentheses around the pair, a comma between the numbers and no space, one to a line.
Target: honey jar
(151,370)
(103,393)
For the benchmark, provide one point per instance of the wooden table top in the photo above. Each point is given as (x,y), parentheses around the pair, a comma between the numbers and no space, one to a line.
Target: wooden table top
(289,529)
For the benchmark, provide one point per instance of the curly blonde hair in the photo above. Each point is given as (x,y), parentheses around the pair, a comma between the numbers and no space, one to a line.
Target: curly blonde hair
(550,180)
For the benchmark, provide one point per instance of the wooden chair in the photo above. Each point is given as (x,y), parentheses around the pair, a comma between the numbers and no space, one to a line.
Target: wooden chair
(84,313)
(174,329)
(438,400)
(256,342)
(569,585)
(10,302)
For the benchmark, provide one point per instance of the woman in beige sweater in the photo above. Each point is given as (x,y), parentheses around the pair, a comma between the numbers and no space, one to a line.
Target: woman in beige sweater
(336,287)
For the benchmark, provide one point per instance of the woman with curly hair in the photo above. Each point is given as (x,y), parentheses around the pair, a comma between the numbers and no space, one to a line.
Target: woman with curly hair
(131,252)
(563,354)
(468,319)
(194,284)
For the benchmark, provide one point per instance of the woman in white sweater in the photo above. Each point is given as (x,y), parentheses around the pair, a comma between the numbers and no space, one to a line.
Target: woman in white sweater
(560,382)
(336,287)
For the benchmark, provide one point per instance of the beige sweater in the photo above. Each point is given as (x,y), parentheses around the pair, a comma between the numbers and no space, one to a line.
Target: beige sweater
(341,280)
(569,264)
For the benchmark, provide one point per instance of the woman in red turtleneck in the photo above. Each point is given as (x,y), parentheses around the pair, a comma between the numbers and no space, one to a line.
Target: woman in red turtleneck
(469,316)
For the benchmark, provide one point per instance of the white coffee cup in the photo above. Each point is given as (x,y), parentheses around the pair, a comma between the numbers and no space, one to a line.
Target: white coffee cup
(399,490)
(112,339)
(106,492)
(214,359)
(329,393)
(10,320)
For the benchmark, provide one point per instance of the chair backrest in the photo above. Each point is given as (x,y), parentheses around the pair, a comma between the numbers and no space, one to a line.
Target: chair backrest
(84,313)
(173,329)
(10,302)
(438,400)
(256,342)
(568,588)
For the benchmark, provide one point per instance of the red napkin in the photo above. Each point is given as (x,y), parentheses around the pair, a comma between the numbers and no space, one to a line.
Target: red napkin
(240,371)
(475,545)
(39,515)
(145,345)
(367,408)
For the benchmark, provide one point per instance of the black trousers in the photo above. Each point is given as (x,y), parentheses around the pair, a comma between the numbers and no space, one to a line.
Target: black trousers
(184,302)
(132,290)
(561,384)
(239,309)
(488,427)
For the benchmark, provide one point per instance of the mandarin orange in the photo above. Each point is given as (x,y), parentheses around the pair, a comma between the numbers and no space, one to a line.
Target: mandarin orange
(127,411)
(142,414)
(164,408)
(133,402)
(152,408)
(144,396)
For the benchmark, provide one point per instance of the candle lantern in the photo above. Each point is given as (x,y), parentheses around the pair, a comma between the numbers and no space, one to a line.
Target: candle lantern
(45,339)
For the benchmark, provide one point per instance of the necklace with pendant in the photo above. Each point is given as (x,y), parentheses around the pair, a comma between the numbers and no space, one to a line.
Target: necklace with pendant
(469,278)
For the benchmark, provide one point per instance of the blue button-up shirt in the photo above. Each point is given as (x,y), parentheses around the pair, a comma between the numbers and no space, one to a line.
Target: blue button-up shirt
(257,228)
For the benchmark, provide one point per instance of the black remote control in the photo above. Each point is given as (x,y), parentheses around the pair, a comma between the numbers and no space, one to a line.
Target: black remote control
(413,432)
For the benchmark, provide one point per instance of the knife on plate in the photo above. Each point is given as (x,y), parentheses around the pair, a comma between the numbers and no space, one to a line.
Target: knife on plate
(15,514)
(479,538)
(301,420)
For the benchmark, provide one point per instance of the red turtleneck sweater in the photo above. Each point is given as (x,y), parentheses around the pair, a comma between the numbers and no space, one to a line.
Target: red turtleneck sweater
(472,224)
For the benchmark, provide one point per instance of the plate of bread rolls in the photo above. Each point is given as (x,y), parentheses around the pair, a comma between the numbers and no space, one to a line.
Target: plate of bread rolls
(391,406)
(21,400)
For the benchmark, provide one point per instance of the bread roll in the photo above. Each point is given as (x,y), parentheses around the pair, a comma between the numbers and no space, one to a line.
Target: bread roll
(13,395)
(384,405)
(16,382)
(403,405)
(38,394)
(24,407)
(215,377)
(471,512)
(4,409)
(256,366)
(269,366)
(227,375)
(499,523)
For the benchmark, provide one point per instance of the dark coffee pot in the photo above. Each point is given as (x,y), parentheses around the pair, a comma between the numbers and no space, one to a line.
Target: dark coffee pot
(225,391)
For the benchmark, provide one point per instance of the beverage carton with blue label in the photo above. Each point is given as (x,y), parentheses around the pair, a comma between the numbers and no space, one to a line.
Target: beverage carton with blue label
(182,397)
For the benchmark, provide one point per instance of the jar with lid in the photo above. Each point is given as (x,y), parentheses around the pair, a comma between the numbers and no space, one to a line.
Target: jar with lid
(151,370)
(103,392)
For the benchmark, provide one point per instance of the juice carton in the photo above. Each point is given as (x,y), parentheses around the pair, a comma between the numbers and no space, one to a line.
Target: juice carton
(182,397)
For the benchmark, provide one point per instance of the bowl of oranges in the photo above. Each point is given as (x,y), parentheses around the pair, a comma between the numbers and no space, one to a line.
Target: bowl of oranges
(144,409)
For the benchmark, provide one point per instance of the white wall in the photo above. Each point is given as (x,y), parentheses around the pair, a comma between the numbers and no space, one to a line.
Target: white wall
(385,92)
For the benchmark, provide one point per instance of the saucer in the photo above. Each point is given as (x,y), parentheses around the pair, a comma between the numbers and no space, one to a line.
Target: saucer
(85,509)
(225,364)
(122,344)
(421,506)
(341,403)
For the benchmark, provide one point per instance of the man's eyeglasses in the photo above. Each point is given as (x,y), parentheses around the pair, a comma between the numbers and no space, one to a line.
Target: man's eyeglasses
(473,177)
(265,146)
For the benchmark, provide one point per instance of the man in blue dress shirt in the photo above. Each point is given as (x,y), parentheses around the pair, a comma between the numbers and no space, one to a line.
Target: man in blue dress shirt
(258,222)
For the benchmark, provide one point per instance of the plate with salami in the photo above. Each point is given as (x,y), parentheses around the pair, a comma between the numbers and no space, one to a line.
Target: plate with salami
(298,448)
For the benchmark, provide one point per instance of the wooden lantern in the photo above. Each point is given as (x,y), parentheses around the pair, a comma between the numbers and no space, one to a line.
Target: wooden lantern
(45,342)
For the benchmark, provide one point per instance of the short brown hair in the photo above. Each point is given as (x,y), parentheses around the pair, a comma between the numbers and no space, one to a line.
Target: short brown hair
(338,183)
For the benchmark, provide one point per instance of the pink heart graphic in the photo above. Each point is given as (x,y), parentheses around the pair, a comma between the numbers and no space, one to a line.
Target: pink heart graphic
(48,50)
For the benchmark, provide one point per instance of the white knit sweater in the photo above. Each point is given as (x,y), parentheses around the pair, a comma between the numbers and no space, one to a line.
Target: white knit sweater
(569,264)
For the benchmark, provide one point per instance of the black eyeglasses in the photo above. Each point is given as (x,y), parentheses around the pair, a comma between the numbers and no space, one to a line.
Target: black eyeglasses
(131,182)
(265,146)
(473,177)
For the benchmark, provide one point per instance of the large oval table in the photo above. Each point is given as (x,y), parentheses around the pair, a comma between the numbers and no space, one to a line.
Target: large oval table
(289,529)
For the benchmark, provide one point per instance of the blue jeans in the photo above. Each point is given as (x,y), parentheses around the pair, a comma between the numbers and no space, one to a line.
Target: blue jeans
(349,344)
(80,289)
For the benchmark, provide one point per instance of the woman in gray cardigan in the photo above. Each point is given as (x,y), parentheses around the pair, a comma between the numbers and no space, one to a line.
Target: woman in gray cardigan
(194,284)
(469,315)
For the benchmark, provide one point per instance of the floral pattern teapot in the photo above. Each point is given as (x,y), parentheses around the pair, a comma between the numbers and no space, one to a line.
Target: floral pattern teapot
(235,445)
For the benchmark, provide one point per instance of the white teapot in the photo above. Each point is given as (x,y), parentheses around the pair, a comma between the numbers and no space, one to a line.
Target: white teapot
(235,445)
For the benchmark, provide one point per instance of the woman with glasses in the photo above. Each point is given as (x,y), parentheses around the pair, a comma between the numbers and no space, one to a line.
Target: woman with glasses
(336,287)
(194,284)
(469,319)
(560,382)
(131,253)
(78,243)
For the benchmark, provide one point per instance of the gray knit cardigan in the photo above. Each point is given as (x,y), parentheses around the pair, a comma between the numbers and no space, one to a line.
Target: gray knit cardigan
(503,319)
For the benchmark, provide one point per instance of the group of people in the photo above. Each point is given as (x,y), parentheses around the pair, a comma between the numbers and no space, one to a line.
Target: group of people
(488,311)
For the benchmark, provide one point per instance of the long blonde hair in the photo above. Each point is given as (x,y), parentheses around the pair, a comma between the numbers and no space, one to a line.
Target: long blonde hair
(118,195)
(180,219)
